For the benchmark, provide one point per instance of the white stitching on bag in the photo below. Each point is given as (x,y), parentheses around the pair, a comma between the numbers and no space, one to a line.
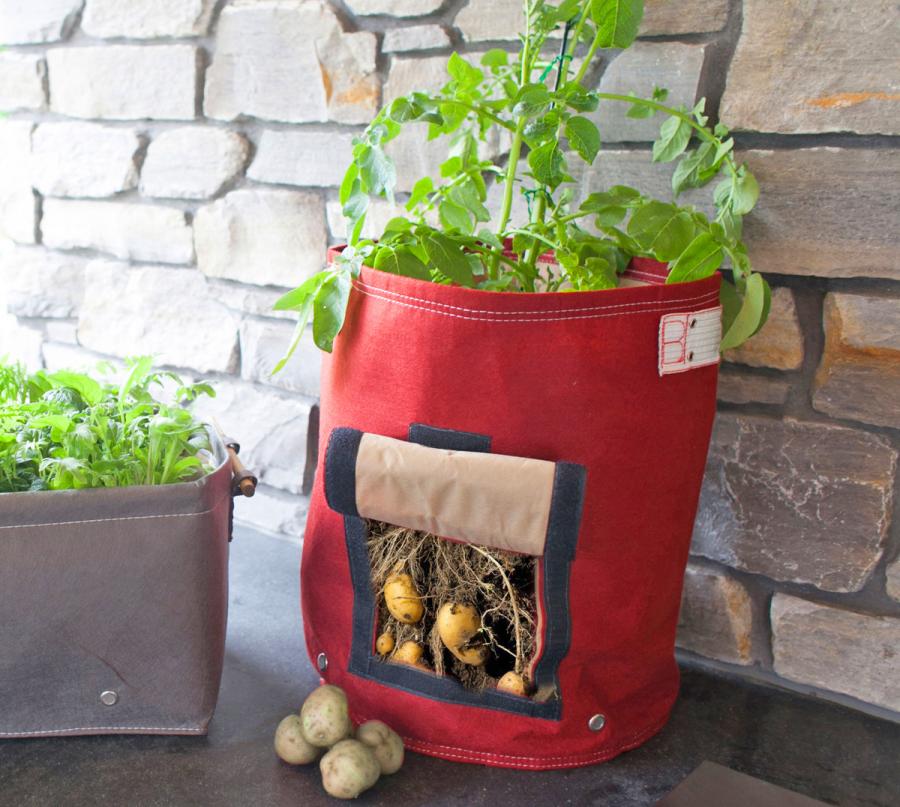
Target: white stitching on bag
(517,319)
(100,728)
(377,290)
(118,518)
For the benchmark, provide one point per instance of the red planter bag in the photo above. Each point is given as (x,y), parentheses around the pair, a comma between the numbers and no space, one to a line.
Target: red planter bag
(577,422)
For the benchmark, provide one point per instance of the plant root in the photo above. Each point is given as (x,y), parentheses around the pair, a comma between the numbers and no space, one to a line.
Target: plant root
(500,585)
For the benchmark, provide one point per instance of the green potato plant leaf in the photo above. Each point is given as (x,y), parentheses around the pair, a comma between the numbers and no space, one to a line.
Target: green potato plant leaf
(663,230)
(584,137)
(674,137)
(448,259)
(700,259)
(617,21)
(750,315)
(330,306)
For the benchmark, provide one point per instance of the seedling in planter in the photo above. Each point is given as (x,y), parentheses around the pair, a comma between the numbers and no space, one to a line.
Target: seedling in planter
(65,431)
(542,107)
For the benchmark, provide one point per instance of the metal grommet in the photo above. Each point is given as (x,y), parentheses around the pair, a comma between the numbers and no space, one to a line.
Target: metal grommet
(597,722)
(322,662)
(109,698)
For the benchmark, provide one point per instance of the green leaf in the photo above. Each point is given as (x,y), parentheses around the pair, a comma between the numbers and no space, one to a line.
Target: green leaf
(531,101)
(401,261)
(454,216)
(616,196)
(329,309)
(749,316)
(90,391)
(448,258)
(396,226)
(465,74)
(489,237)
(698,110)
(468,196)
(541,129)
(296,299)
(584,137)
(662,230)
(495,58)
(731,304)
(617,21)
(694,169)
(349,182)
(578,98)
(701,258)
(674,136)
(547,164)
(420,190)
(301,300)
(746,192)
(403,110)
(639,110)
(377,172)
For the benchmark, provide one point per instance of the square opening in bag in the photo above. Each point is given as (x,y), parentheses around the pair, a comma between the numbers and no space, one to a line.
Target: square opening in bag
(456,609)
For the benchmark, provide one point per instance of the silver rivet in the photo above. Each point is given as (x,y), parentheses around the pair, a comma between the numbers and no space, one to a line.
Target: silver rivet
(109,698)
(596,723)
(322,662)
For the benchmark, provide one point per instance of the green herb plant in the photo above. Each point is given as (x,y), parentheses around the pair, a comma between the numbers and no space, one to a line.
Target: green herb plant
(449,235)
(66,430)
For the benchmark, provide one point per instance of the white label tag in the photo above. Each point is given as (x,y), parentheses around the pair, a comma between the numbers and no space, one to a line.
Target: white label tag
(689,340)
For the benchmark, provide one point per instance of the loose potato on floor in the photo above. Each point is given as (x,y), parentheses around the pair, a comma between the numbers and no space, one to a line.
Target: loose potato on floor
(348,769)
(325,716)
(291,745)
(402,599)
(385,744)
(457,625)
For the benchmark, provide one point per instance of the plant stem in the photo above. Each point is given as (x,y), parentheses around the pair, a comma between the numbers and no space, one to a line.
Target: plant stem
(515,148)
(540,207)
(676,113)
(587,59)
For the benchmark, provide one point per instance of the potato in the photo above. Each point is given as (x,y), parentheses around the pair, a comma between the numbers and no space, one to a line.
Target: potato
(457,624)
(409,653)
(385,744)
(402,598)
(513,683)
(291,745)
(385,643)
(325,716)
(348,769)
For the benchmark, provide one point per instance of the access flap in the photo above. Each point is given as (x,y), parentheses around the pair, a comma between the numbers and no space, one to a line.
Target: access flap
(487,499)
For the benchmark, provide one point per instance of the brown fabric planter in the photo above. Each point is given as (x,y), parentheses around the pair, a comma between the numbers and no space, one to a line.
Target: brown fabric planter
(113,606)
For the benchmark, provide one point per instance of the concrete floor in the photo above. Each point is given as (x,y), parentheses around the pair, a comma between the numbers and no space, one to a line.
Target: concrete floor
(817,749)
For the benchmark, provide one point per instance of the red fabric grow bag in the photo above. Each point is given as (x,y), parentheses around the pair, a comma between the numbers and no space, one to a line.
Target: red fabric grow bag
(573,378)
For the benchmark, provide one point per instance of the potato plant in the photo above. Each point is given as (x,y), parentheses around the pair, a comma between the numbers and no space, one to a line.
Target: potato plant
(542,105)
(67,431)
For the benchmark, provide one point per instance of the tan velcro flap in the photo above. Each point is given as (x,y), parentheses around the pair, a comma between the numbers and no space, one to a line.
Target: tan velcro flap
(486,499)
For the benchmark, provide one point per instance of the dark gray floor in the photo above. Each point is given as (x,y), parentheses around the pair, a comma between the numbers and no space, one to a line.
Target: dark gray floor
(821,750)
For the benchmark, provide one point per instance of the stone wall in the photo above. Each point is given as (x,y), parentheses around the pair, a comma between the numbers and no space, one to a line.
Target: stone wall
(169,166)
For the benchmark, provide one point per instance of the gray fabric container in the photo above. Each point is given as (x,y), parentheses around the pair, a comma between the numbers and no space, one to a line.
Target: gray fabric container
(113,605)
